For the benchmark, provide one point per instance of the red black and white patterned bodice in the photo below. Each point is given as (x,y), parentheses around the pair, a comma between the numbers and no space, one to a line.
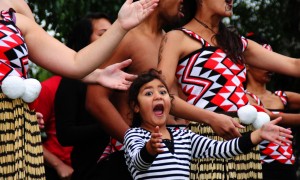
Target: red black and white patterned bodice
(14,52)
(210,79)
(269,151)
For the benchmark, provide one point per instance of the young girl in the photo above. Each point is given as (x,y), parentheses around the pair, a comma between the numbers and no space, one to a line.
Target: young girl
(153,151)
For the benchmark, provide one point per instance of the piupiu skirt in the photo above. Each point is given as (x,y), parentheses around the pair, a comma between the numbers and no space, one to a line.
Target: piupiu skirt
(21,152)
(245,166)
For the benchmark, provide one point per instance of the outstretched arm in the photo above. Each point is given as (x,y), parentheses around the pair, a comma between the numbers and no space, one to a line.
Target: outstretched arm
(288,119)
(51,54)
(259,57)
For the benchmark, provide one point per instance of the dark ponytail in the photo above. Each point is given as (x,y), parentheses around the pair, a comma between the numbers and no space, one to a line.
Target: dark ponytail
(230,42)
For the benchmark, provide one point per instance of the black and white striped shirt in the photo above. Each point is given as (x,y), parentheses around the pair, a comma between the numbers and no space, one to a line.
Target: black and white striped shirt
(176,165)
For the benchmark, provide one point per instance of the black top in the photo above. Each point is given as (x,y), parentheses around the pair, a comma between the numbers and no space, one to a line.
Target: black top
(78,128)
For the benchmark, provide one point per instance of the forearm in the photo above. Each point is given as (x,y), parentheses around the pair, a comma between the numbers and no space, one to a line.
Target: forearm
(288,119)
(190,112)
(99,51)
(92,77)
(105,112)
(256,137)
(50,159)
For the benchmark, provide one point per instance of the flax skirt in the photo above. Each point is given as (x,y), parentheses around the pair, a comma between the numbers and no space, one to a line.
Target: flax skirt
(246,166)
(21,153)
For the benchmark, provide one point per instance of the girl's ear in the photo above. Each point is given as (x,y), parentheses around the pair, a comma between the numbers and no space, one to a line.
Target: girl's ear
(136,109)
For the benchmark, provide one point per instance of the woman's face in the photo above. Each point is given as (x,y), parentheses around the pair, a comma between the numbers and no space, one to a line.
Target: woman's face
(99,27)
(259,75)
(171,10)
(154,104)
(222,8)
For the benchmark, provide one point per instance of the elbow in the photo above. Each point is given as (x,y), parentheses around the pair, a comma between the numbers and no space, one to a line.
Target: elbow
(74,73)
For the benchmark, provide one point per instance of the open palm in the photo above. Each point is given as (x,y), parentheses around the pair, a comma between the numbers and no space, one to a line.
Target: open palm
(131,14)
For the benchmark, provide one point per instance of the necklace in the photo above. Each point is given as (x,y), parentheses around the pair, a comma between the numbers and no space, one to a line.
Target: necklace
(204,25)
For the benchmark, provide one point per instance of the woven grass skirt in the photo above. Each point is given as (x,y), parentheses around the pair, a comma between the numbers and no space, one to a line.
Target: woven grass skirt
(245,166)
(21,153)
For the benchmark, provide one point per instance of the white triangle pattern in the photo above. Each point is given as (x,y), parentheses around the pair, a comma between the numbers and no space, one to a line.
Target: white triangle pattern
(8,43)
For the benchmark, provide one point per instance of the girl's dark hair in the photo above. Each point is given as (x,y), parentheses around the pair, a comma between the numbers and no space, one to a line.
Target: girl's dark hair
(134,90)
(228,39)
(82,30)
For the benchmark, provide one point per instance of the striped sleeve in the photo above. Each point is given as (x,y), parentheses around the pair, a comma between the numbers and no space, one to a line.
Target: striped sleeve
(203,147)
(135,150)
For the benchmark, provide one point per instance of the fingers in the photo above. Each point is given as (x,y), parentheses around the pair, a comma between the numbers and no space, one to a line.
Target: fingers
(284,135)
(227,135)
(238,125)
(124,64)
(227,128)
(122,87)
(276,121)
(156,140)
(149,5)
(39,115)
(128,1)
(156,130)
(130,77)
(281,139)
(232,133)
(284,130)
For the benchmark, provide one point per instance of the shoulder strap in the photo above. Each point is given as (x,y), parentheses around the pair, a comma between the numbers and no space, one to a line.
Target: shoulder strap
(9,15)
(194,36)
(283,97)
(245,43)
(258,101)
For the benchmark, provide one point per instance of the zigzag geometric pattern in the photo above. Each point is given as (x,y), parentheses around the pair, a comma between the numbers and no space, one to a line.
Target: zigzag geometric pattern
(271,152)
(210,79)
(14,53)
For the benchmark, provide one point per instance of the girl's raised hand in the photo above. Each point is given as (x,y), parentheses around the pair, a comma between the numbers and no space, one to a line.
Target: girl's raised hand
(271,132)
(154,145)
(133,13)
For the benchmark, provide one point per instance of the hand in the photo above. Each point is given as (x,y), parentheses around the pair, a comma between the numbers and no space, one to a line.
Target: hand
(271,132)
(131,14)
(154,145)
(64,171)
(225,126)
(40,120)
(113,77)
